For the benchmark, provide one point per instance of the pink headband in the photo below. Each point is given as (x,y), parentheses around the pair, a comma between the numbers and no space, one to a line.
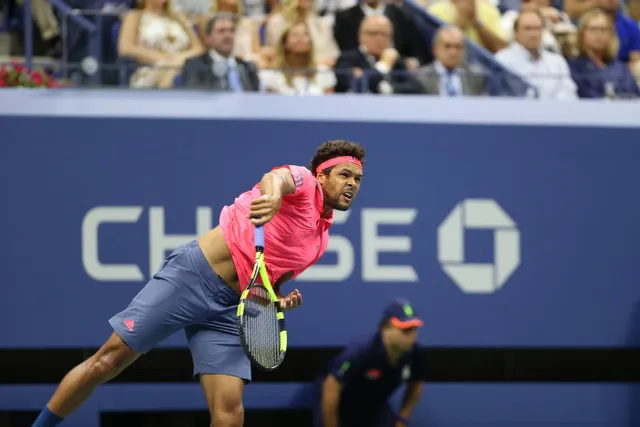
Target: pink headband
(336,160)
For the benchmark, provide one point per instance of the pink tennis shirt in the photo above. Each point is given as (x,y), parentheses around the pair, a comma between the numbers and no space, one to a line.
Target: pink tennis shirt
(295,238)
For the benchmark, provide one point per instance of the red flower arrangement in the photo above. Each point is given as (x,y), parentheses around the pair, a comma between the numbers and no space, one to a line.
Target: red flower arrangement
(18,76)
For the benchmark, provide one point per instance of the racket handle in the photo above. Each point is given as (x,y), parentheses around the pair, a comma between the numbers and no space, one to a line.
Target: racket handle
(258,236)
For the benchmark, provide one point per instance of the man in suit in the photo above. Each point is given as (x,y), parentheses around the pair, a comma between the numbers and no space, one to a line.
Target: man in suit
(374,60)
(407,39)
(449,75)
(217,69)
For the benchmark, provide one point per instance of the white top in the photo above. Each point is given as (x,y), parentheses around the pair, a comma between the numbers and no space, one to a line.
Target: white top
(192,8)
(162,33)
(274,81)
(549,73)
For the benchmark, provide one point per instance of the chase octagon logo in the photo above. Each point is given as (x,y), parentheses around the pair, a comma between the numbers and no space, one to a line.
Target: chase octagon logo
(479,278)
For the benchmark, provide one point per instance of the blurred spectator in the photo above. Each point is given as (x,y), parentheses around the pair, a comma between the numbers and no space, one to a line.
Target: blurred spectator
(199,11)
(478,19)
(557,23)
(78,43)
(45,19)
(329,8)
(576,8)
(597,71)
(634,10)
(193,9)
(407,39)
(257,10)
(294,69)
(247,41)
(159,38)
(449,75)
(548,71)
(385,69)
(294,11)
(626,29)
(218,69)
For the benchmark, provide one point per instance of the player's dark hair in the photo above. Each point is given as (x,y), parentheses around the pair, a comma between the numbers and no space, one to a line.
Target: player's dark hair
(338,148)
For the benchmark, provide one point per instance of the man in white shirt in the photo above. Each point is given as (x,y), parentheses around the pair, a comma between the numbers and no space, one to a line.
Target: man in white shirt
(545,70)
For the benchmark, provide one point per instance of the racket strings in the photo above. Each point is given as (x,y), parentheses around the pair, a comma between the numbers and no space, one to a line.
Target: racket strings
(261,327)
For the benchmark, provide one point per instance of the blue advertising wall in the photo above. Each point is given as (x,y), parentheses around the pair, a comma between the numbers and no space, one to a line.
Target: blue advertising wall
(506,222)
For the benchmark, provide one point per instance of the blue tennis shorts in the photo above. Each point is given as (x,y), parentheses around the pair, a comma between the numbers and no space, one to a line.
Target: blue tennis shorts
(187,294)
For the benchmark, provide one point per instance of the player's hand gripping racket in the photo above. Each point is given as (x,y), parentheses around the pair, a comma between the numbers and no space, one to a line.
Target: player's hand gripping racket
(260,317)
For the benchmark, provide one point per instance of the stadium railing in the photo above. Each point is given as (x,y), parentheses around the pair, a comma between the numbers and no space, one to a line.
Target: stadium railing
(89,64)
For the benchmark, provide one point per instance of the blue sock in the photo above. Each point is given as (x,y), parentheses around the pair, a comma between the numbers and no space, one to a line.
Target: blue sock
(47,419)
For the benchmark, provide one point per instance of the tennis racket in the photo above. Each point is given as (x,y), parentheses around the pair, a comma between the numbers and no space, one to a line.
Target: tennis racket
(260,317)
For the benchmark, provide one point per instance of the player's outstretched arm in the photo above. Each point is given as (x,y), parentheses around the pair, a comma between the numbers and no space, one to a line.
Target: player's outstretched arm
(273,186)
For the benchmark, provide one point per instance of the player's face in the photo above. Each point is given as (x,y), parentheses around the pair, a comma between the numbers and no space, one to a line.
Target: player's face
(403,339)
(341,185)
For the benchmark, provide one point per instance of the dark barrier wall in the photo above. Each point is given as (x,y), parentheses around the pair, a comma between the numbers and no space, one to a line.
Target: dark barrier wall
(518,233)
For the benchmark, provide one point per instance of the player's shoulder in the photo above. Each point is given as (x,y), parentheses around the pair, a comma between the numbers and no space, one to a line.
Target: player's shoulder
(303,179)
(294,169)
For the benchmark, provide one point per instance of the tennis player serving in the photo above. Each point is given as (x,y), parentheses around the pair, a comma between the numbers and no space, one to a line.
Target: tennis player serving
(198,286)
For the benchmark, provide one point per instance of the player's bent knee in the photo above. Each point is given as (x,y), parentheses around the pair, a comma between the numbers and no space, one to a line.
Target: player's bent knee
(224,397)
(112,358)
(227,410)
(228,416)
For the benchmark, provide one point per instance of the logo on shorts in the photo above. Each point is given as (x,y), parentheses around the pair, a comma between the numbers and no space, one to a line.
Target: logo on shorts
(129,324)
(373,374)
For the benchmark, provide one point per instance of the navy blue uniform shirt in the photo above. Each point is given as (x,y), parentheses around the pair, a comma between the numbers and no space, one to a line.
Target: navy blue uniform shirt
(591,79)
(367,378)
(628,35)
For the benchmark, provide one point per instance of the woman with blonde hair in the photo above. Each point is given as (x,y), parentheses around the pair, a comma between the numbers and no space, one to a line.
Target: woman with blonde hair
(597,70)
(294,70)
(160,40)
(293,11)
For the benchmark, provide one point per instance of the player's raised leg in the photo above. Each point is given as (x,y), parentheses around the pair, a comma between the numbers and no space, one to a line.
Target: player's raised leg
(172,299)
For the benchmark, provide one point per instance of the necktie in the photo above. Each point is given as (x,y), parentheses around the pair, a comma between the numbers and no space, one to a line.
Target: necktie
(450,86)
(233,77)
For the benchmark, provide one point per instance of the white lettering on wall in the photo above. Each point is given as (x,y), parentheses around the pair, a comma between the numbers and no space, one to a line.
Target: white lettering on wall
(373,245)
(90,257)
(470,277)
(159,240)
